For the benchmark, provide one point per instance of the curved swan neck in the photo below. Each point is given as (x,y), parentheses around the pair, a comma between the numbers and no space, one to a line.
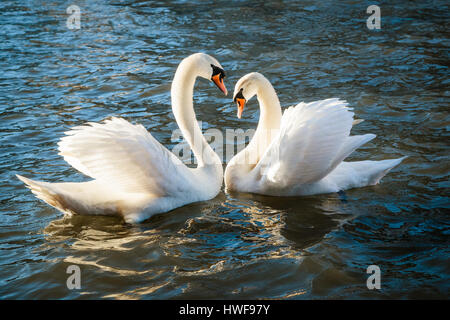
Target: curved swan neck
(269,118)
(183,110)
(269,105)
(268,127)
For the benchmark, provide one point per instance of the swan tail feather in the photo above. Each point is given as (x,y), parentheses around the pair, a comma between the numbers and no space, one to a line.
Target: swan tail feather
(89,198)
(45,192)
(382,168)
(358,174)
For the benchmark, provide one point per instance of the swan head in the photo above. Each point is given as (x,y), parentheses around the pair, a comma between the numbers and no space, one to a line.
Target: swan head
(209,68)
(245,89)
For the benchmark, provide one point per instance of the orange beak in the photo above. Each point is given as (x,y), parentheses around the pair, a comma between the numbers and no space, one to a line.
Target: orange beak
(240,105)
(219,83)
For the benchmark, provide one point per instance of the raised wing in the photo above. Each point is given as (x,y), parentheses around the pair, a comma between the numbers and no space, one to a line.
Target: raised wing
(313,140)
(124,156)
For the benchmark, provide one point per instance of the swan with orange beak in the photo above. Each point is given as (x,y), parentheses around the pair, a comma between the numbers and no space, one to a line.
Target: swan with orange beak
(240,102)
(302,151)
(217,77)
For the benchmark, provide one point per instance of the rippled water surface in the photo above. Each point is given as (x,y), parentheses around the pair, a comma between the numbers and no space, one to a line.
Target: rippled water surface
(121,62)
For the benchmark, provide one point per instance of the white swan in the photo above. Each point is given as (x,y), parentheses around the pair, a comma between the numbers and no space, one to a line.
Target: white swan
(134,175)
(301,152)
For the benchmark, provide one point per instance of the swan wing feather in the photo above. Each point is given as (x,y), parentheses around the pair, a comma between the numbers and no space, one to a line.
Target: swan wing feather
(125,156)
(313,139)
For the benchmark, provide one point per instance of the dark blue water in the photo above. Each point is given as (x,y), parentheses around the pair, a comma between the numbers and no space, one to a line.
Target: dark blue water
(121,63)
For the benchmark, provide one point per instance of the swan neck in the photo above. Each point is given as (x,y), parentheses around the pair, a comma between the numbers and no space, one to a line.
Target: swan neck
(183,110)
(268,125)
(269,118)
(269,105)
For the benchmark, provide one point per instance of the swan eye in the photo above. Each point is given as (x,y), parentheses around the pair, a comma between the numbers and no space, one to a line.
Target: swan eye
(217,77)
(239,95)
(217,71)
(239,99)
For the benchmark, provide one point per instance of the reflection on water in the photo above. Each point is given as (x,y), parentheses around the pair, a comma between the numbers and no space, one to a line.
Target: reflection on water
(121,63)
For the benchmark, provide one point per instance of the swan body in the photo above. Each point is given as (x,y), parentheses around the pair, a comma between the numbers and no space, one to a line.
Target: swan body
(134,176)
(301,151)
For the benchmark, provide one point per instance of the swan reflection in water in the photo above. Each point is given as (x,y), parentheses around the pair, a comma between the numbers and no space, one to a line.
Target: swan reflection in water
(221,240)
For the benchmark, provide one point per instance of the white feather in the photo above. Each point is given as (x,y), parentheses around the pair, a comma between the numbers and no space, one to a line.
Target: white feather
(134,175)
(126,156)
(306,157)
